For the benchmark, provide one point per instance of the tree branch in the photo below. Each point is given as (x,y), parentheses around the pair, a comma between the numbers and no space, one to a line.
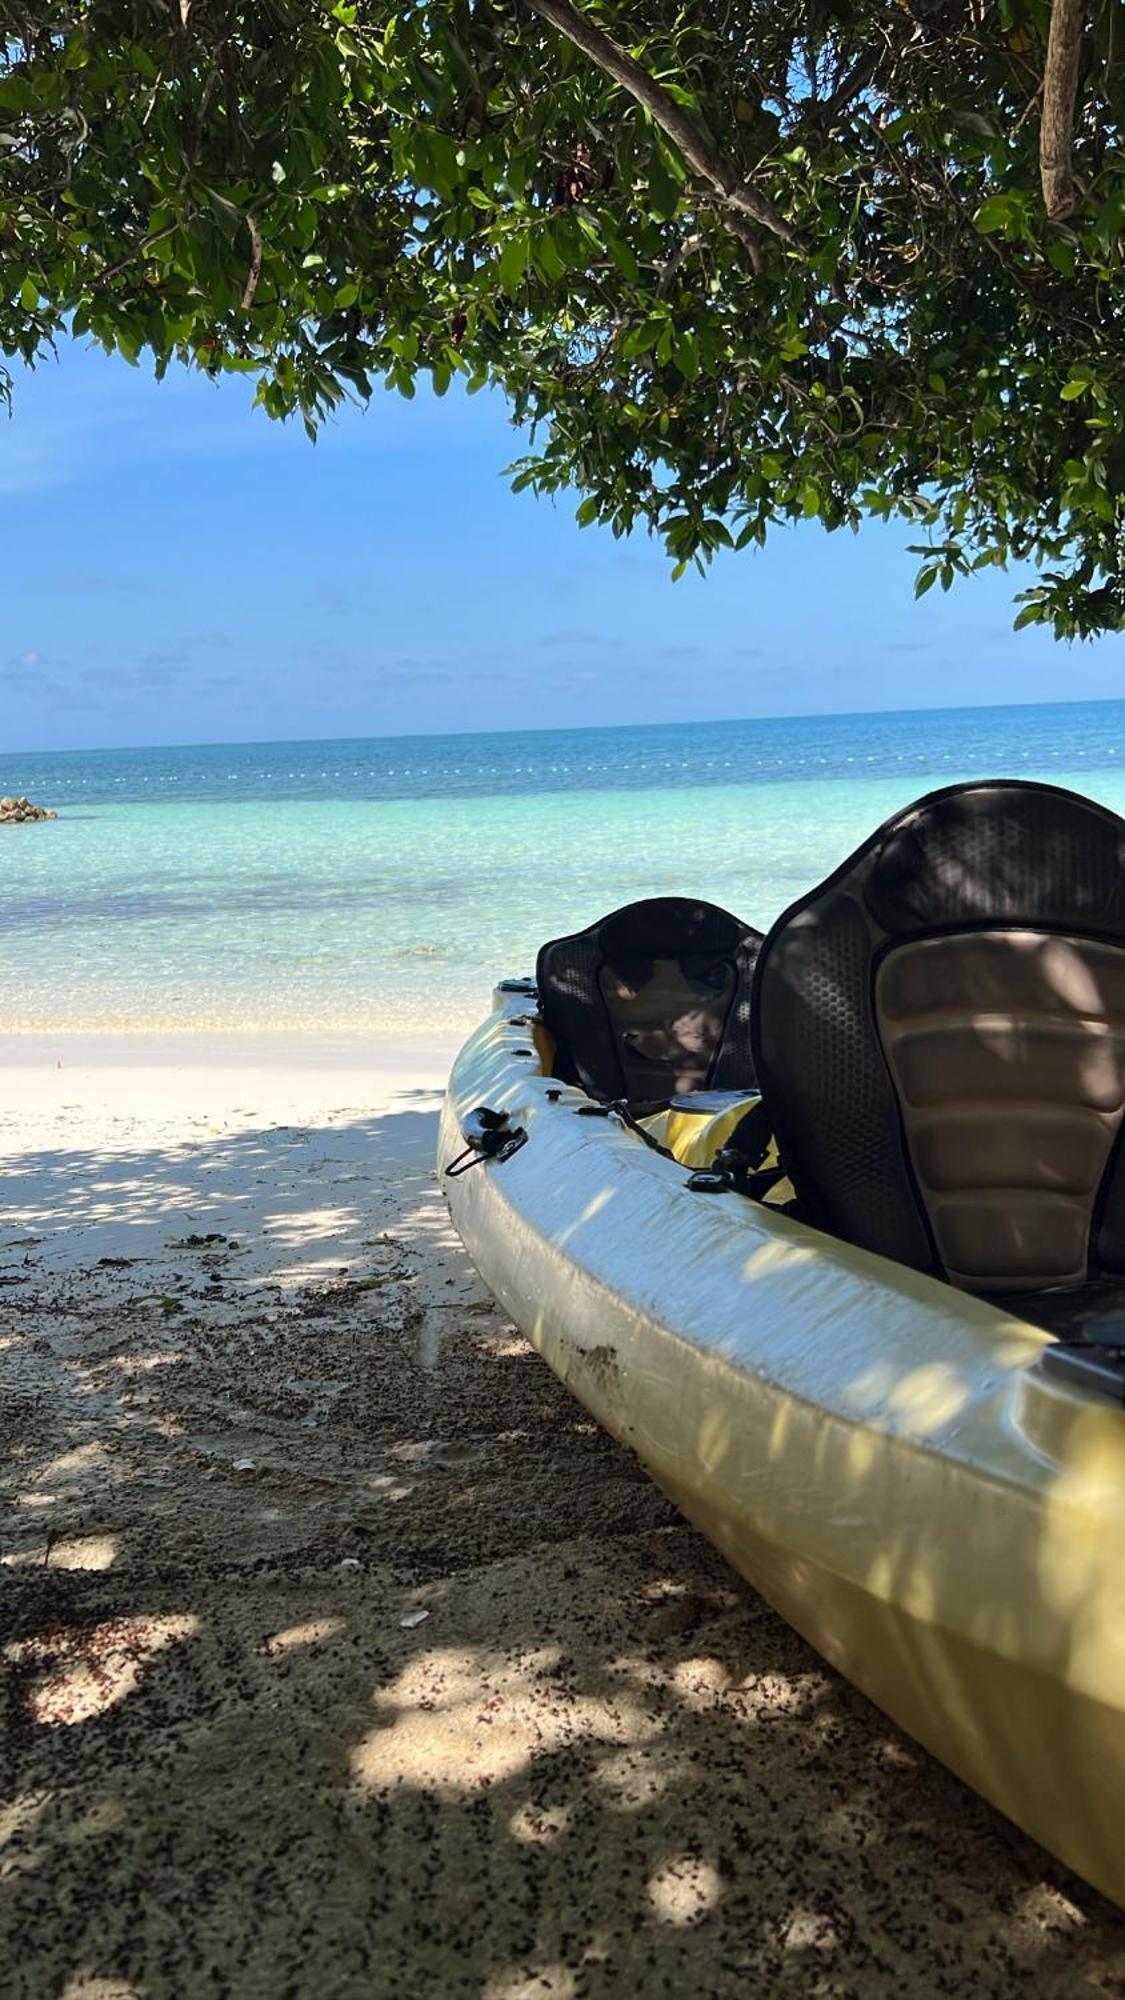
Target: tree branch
(142,249)
(679,257)
(734,198)
(255,271)
(1060,90)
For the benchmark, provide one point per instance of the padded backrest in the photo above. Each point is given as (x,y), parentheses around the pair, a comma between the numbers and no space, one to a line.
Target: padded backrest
(652,1001)
(939,1031)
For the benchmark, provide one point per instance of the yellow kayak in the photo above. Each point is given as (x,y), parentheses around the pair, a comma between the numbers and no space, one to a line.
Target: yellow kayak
(885,1458)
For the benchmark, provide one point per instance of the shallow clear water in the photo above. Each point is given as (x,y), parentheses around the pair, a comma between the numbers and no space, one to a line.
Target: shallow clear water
(386,884)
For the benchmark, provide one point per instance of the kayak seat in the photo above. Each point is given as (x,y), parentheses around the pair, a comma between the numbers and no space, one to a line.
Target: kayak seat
(652,1001)
(939,1033)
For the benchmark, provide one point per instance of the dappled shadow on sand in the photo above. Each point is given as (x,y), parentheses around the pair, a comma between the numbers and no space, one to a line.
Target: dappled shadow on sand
(344,1655)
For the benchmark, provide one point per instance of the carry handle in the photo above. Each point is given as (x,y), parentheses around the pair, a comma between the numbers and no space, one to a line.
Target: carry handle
(488,1135)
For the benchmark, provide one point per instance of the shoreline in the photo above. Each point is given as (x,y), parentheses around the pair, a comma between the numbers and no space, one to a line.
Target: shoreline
(384,1053)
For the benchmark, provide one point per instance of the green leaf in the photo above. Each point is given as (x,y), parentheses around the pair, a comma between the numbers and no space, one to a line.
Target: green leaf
(623,256)
(512,264)
(16,94)
(664,188)
(1061,255)
(641,338)
(994,214)
(548,261)
(685,354)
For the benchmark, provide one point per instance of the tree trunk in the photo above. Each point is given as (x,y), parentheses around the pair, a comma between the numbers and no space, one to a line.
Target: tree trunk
(1060,90)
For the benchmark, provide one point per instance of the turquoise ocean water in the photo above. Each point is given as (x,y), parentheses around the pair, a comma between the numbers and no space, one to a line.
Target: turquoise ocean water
(385,884)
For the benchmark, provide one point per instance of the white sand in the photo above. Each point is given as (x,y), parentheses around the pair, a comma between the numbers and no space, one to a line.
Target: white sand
(115,1144)
(344,1656)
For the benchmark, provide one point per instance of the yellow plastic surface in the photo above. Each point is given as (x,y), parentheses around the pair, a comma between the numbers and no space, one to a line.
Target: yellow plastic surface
(879,1454)
(694,1137)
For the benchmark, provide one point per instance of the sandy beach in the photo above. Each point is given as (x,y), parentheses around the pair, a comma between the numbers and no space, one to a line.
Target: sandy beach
(344,1656)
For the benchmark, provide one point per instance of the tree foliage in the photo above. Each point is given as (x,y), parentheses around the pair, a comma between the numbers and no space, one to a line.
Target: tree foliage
(735,262)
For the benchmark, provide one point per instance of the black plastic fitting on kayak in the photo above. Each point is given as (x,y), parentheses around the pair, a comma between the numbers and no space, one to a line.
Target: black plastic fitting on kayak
(488,1135)
(710,1183)
(527,986)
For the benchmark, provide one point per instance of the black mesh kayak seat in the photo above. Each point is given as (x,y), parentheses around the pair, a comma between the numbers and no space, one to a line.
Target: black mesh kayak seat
(652,1001)
(939,1033)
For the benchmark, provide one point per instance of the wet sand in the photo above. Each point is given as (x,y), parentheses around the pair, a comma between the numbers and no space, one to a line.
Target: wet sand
(342,1655)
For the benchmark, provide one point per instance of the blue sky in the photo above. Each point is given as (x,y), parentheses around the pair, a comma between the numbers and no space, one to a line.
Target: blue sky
(179,569)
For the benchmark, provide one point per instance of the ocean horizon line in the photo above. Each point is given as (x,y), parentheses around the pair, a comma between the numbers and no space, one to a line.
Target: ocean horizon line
(408,736)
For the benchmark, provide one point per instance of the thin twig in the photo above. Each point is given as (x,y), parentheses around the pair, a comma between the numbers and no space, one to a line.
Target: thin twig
(679,256)
(151,106)
(141,250)
(255,271)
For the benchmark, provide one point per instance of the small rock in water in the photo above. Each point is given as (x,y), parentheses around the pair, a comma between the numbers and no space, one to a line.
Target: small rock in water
(413,1618)
(14,812)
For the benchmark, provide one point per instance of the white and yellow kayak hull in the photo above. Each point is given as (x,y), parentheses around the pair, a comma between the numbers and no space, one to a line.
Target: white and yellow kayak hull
(881,1456)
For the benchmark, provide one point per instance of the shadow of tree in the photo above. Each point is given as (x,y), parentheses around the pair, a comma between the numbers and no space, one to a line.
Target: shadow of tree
(343,1655)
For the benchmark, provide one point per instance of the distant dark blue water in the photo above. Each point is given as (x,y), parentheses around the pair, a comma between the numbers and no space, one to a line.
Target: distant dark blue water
(808,749)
